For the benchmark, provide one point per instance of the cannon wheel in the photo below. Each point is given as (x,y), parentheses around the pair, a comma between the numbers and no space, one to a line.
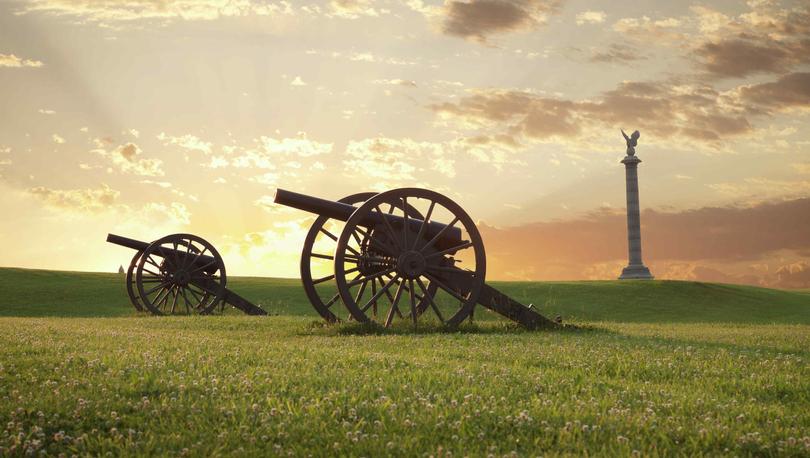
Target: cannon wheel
(410,259)
(308,255)
(132,290)
(170,280)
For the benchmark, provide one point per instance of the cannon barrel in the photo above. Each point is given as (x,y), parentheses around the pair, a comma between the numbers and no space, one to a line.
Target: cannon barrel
(127,242)
(342,212)
(139,246)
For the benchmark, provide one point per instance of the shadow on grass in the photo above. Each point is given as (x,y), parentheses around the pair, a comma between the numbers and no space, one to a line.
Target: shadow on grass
(402,329)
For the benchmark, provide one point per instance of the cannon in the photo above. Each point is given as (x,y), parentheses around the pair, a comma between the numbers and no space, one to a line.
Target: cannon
(395,247)
(179,274)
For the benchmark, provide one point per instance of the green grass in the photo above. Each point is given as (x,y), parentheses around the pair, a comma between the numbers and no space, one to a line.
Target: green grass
(698,385)
(51,293)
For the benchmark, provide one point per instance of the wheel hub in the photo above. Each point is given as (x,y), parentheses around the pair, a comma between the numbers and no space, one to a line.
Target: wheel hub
(411,264)
(182,277)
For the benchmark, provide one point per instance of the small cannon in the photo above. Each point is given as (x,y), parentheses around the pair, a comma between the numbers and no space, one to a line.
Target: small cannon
(179,274)
(394,245)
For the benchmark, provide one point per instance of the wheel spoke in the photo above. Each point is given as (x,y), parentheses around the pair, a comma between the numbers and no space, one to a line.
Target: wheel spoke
(424,224)
(377,295)
(162,285)
(328,234)
(152,273)
(454,249)
(440,234)
(361,291)
(404,222)
(333,300)
(322,256)
(388,227)
(430,298)
(368,277)
(196,269)
(174,301)
(323,279)
(412,294)
(185,300)
(197,256)
(394,307)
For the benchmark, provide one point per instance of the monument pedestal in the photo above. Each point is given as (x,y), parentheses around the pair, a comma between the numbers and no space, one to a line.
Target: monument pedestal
(635,270)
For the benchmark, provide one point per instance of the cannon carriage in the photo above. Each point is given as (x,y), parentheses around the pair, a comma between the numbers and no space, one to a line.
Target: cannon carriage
(179,274)
(395,259)
(382,257)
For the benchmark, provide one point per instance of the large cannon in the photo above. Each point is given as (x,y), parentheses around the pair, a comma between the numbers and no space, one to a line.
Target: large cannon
(179,274)
(394,245)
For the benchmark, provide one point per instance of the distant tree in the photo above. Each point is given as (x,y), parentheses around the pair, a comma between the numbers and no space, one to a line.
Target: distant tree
(121,269)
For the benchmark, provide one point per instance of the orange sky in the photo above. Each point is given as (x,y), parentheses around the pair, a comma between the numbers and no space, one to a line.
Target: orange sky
(145,118)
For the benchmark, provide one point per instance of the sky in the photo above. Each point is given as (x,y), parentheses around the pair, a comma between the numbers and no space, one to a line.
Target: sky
(149,117)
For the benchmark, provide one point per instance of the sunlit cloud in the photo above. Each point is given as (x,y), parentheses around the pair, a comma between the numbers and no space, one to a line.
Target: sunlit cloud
(12,61)
(188,142)
(114,11)
(590,17)
(127,159)
(353,9)
(91,200)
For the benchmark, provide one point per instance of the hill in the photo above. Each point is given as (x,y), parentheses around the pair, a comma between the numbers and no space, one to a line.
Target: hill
(25,292)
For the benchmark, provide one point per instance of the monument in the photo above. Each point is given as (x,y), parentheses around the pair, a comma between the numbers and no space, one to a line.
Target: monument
(635,270)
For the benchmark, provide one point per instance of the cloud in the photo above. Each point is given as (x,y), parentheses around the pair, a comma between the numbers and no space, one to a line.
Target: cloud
(789,91)
(188,142)
(82,200)
(711,236)
(104,200)
(765,39)
(665,30)
(353,9)
(115,11)
(618,53)
(297,81)
(12,61)
(46,112)
(590,17)
(478,19)
(270,152)
(396,160)
(666,109)
(126,158)
(57,139)
(744,56)
(395,82)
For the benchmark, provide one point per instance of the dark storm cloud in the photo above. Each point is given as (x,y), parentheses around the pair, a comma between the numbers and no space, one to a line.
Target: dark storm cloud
(477,19)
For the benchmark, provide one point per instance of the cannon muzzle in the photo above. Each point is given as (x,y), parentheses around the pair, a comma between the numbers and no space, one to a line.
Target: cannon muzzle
(342,212)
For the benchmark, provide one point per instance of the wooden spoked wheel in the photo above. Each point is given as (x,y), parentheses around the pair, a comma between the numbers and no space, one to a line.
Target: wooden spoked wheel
(180,274)
(317,257)
(132,288)
(399,255)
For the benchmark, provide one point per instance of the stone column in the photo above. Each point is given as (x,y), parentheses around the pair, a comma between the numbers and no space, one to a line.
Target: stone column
(635,270)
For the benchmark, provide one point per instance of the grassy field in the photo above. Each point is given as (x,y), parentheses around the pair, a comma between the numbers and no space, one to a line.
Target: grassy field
(729,377)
